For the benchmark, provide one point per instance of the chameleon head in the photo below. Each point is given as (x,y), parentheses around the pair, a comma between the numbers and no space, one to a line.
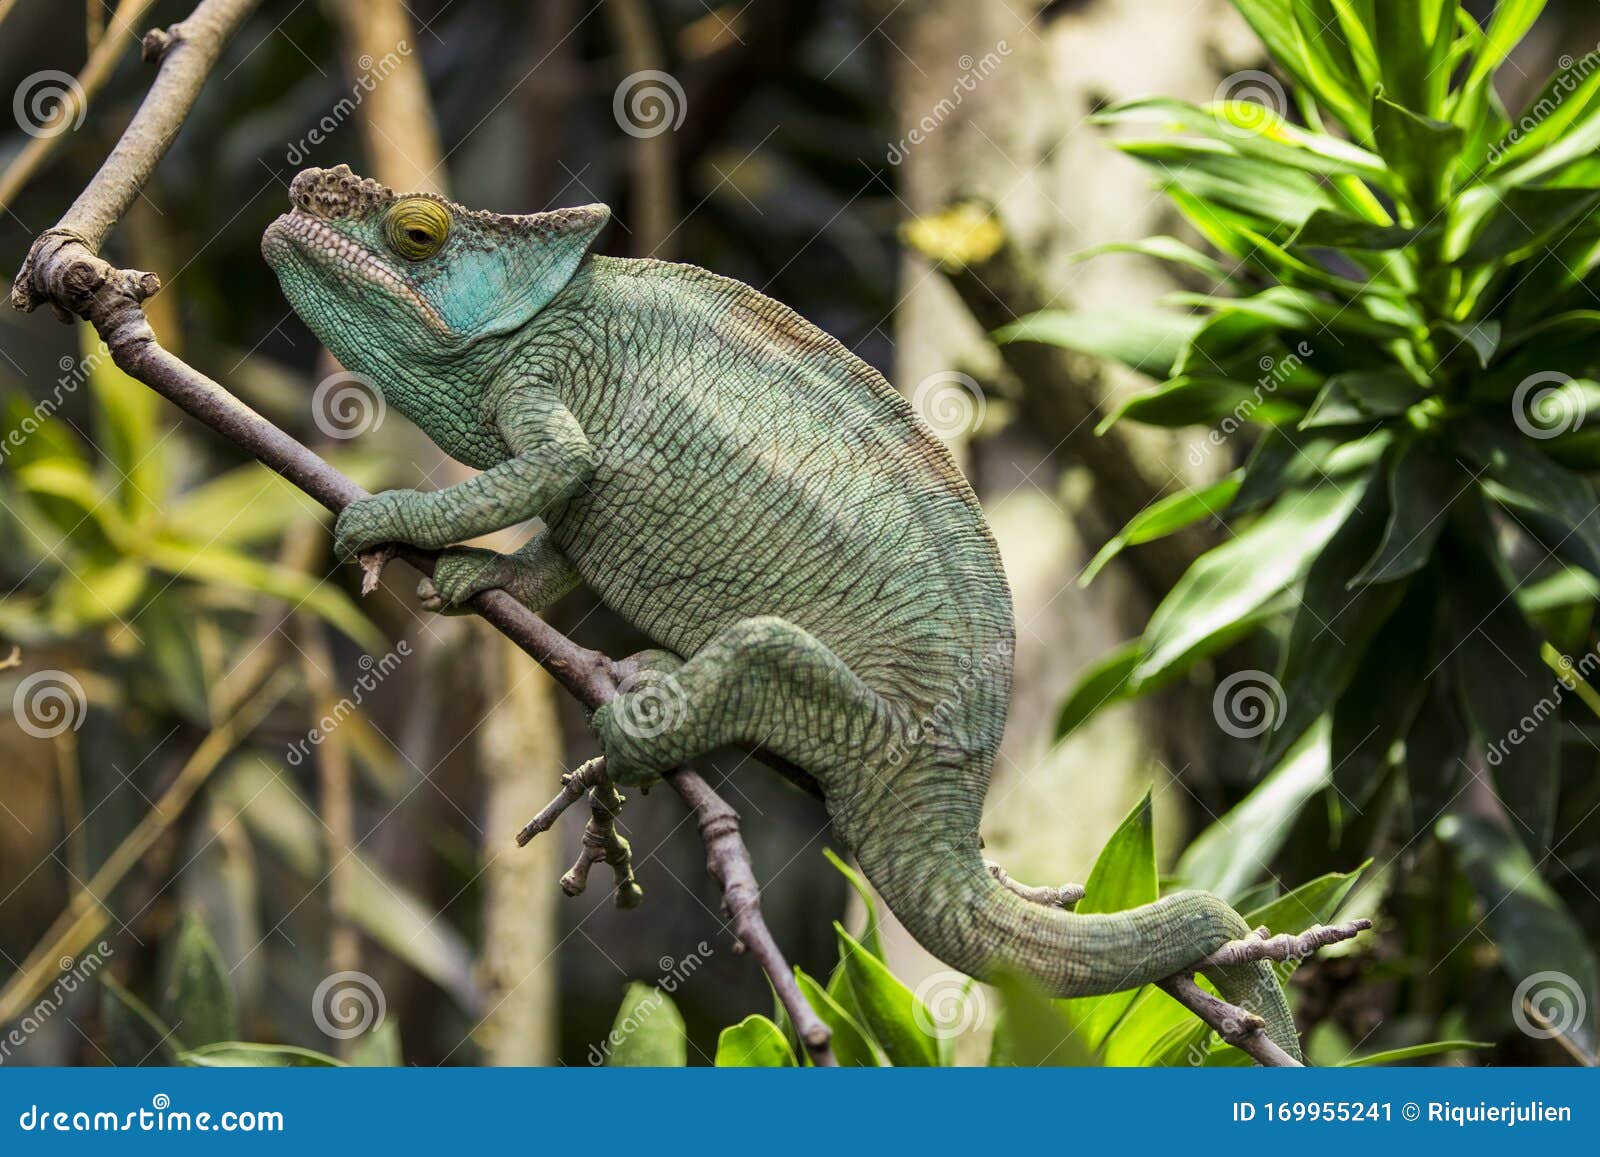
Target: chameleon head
(415,275)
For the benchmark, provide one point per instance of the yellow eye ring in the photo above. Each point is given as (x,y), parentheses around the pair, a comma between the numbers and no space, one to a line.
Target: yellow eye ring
(416,228)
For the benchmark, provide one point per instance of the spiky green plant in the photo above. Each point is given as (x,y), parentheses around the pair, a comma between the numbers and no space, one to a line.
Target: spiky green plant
(1406,314)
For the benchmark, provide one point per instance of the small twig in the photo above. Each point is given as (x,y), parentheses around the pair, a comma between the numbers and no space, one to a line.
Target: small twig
(573,786)
(603,843)
(1243,1029)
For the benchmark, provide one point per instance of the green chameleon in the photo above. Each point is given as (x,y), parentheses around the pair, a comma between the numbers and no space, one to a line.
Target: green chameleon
(759,502)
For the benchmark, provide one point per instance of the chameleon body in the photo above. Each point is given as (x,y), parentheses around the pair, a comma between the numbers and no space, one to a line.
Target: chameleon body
(759,502)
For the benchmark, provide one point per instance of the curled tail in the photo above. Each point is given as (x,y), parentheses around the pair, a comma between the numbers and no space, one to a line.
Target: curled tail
(935,882)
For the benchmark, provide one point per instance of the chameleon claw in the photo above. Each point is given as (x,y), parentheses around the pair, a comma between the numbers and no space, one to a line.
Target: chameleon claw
(372,564)
(1064,896)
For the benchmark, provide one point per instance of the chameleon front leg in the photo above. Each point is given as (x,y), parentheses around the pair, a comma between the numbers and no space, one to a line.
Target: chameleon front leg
(550,458)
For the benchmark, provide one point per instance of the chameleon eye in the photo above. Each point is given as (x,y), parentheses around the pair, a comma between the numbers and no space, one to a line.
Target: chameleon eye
(416,228)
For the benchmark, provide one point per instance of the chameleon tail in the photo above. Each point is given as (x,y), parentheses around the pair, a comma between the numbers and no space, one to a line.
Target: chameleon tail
(958,911)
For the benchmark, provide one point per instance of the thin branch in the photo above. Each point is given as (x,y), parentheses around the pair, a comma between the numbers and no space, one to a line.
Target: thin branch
(64,269)
(1242,1029)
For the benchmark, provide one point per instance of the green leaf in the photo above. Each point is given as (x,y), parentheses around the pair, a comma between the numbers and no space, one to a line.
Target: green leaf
(871,940)
(1282,307)
(1314,902)
(1285,459)
(1537,490)
(1108,680)
(1383,696)
(379,1048)
(168,644)
(1332,628)
(1202,401)
(228,568)
(648,1031)
(1421,150)
(126,418)
(1242,575)
(1414,1052)
(851,1046)
(244,1055)
(1510,23)
(889,1010)
(1489,225)
(1412,43)
(1482,336)
(1230,855)
(1503,682)
(754,1043)
(1253,129)
(1540,943)
(198,999)
(1362,396)
(1168,249)
(134,1034)
(1123,877)
(1276,198)
(1326,230)
(1032,1031)
(1163,517)
(1144,340)
(1423,486)
(1569,586)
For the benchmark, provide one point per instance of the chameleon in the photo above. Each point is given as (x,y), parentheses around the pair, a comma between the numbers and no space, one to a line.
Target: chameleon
(816,573)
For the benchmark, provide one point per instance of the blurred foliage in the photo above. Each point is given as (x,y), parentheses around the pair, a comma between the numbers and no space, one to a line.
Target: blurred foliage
(1405,313)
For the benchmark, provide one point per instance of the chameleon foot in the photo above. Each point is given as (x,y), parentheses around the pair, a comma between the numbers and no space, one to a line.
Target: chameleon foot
(1063,897)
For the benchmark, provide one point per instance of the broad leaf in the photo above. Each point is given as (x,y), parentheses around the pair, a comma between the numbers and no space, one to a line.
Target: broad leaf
(754,1043)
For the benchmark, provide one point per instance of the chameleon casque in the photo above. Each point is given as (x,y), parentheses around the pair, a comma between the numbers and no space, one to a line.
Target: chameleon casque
(759,502)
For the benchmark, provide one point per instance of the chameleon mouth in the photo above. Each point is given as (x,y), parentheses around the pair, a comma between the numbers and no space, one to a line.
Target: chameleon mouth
(297,234)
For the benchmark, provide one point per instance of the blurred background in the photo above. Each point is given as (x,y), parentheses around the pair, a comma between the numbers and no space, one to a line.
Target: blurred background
(215,740)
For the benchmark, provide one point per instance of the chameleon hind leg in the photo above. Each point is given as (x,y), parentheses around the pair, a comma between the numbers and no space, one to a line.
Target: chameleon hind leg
(759,681)
(536,575)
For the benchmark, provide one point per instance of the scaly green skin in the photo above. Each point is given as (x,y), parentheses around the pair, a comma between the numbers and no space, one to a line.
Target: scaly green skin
(740,487)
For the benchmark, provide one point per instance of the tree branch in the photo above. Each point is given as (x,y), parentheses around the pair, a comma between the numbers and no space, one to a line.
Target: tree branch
(64,269)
